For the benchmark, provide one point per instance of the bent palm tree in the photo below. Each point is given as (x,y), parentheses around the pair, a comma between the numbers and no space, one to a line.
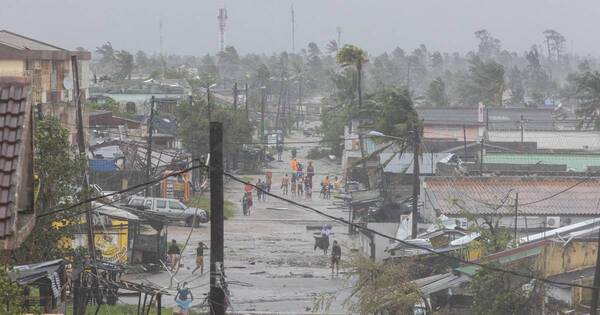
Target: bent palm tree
(352,55)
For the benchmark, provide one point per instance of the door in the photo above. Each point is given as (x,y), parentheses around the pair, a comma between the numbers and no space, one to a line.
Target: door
(176,208)
(161,207)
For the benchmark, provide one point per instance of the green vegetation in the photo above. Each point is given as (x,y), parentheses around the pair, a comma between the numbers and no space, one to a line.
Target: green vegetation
(108,104)
(11,298)
(204,203)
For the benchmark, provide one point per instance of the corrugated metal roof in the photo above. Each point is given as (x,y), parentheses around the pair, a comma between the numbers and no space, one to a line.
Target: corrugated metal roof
(478,195)
(499,118)
(403,164)
(13,108)
(573,161)
(24,43)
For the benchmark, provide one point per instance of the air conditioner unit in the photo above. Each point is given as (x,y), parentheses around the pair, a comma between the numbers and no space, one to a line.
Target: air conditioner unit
(553,222)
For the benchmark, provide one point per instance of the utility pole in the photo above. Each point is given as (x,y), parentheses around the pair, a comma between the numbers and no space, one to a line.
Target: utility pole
(299,108)
(217,295)
(149,147)
(208,105)
(481,158)
(465,139)
(235,95)
(293,30)
(516,214)
(79,301)
(339,36)
(596,285)
(522,128)
(416,182)
(262,125)
(246,101)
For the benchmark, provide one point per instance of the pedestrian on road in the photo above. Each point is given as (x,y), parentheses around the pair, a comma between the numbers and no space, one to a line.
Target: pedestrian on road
(268,181)
(300,188)
(183,298)
(294,180)
(307,189)
(336,255)
(294,164)
(173,253)
(310,172)
(325,186)
(259,190)
(279,150)
(200,257)
(285,182)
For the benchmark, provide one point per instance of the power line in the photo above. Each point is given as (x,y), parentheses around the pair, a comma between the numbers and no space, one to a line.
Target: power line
(484,266)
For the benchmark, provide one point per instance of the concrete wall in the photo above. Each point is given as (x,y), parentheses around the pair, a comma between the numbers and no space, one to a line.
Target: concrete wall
(451,132)
(380,243)
(576,255)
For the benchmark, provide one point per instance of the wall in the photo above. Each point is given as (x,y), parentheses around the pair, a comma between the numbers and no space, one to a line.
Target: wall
(12,67)
(576,255)
(454,132)
(381,243)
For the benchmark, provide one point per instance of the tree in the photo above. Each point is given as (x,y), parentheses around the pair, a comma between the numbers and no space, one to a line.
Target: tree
(332,47)
(499,293)
(484,83)
(11,295)
(555,43)
(587,92)
(59,169)
(394,112)
(125,64)
(107,52)
(488,45)
(381,287)
(436,94)
(538,81)
(352,55)
(516,84)
(141,60)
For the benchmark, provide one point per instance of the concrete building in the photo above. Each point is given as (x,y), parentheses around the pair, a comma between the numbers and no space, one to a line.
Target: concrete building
(48,69)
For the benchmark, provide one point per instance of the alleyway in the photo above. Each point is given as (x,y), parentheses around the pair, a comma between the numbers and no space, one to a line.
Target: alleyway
(269,258)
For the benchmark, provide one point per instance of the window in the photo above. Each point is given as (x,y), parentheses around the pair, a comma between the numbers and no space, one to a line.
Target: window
(161,204)
(176,205)
(137,202)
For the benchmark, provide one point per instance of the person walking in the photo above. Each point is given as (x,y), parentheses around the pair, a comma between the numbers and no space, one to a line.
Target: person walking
(200,257)
(285,182)
(310,172)
(300,188)
(173,253)
(294,180)
(259,190)
(336,255)
(183,299)
(279,150)
(268,181)
(307,188)
(294,164)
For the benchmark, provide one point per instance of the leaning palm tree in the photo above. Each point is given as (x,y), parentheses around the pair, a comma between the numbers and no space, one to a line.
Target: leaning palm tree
(352,55)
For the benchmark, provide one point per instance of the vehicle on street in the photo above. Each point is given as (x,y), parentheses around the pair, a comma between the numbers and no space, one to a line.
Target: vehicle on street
(171,208)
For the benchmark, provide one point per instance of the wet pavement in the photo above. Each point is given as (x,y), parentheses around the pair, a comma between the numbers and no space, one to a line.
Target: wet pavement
(270,264)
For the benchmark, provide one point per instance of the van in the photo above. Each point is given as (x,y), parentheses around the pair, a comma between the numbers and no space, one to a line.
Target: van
(170,208)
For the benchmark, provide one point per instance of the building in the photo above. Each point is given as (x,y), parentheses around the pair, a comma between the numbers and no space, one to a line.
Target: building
(543,202)
(48,68)
(459,123)
(17,211)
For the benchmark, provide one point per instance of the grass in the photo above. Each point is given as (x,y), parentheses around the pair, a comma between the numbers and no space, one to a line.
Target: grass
(204,203)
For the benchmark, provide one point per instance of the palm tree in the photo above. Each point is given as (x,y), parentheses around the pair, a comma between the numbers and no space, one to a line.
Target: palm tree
(352,55)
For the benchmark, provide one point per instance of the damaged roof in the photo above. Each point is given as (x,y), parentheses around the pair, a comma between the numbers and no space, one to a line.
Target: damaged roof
(546,196)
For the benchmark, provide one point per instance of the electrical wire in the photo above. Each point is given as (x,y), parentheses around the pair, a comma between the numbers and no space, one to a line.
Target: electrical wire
(463,261)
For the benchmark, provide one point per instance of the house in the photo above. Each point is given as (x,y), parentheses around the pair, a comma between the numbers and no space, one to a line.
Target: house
(385,219)
(459,122)
(17,211)
(48,68)
(552,140)
(573,162)
(543,202)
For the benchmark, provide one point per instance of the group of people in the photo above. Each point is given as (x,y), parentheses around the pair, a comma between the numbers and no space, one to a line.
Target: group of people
(322,242)
(301,181)
(184,296)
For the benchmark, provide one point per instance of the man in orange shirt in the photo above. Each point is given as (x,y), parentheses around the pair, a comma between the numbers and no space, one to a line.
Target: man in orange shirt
(294,164)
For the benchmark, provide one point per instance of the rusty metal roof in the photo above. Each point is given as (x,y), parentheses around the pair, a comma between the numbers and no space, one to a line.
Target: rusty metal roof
(13,108)
(545,196)
(24,43)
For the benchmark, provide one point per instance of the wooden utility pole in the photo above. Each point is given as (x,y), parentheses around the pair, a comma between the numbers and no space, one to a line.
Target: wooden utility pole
(596,285)
(217,294)
(79,301)
(149,148)
(416,182)
(235,95)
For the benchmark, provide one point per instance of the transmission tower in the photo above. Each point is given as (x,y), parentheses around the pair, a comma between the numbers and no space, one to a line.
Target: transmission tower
(222,25)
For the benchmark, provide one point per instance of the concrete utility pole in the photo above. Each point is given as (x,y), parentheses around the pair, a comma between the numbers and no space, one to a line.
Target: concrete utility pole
(235,95)
(217,294)
(208,105)
(246,101)
(416,181)
(80,302)
(596,291)
(149,147)
(516,214)
(522,128)
(481,157)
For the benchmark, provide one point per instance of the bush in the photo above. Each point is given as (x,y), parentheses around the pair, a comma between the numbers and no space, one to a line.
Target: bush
(204,203)
(316,153)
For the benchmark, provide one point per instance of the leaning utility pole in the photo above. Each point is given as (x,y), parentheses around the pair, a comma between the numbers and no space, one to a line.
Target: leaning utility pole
(81,299)
(217,294)
(416,181)
(149,147)
(235,95)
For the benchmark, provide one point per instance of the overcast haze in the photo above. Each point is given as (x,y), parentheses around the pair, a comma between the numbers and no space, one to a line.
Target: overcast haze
(190,26)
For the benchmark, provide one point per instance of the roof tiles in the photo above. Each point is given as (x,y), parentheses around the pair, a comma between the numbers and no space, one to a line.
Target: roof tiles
(13,98)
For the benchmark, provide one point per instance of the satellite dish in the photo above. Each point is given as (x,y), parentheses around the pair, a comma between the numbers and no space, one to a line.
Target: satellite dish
(68,83)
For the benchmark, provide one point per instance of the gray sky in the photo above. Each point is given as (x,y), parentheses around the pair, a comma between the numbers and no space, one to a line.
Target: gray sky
(190,26)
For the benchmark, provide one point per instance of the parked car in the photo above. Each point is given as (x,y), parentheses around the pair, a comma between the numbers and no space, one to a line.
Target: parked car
(171,208)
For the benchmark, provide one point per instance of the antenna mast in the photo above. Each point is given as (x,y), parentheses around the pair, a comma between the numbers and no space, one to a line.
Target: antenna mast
(339,36)
(162,54)
(293,30)
(222,25)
